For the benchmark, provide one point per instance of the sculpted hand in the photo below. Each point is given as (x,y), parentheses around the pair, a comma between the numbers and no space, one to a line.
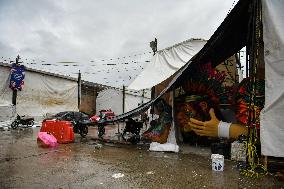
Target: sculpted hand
(206,128)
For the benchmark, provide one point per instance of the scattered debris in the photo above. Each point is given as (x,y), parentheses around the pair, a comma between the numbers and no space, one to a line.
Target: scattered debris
(98,146)
(195,174)
(140,155)
(118,175)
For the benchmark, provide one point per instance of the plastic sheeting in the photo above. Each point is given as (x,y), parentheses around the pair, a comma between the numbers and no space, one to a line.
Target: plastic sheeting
(7,110)
(5,91)
(112,99)
(47,94)
(42,94)
(166,62)
(272,128)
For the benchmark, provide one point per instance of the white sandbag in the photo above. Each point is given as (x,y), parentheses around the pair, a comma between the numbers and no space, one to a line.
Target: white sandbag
(167,147)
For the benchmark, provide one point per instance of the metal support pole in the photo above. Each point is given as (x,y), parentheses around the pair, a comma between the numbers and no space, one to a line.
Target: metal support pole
(152,97)
(79,89)
(123,99)
(14,97)
(118,131)
(143,96)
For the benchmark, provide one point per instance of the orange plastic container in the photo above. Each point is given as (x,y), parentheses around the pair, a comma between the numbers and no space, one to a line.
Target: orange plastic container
(61,130)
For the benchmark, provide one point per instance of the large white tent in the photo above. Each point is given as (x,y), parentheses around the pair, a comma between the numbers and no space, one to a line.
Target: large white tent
(166,62)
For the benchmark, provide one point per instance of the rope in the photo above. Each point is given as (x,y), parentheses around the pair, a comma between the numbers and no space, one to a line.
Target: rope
(254,167)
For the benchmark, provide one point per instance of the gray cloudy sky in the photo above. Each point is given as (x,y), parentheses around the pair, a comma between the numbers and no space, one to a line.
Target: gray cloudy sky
(85,30)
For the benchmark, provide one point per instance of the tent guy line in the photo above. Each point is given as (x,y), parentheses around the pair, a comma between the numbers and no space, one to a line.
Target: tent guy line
(98,60)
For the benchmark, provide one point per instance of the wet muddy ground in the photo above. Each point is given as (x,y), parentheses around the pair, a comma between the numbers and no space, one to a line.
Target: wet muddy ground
(85,164)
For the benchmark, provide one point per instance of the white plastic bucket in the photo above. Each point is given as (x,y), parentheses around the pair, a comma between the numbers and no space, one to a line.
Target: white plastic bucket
(217,162)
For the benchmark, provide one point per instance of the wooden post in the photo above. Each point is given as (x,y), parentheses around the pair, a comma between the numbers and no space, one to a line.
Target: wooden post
(79,90)
(95,99)
(14,97)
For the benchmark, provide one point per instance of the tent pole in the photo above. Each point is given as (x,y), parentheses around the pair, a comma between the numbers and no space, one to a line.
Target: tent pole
(79,90)
(152,97)
(123,99)
(143,96)
(123,111)
(14,97)
(247,62)
(178,135)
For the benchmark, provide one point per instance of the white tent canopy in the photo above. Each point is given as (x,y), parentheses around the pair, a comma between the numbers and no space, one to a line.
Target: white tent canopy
(272,128)
(166,62)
